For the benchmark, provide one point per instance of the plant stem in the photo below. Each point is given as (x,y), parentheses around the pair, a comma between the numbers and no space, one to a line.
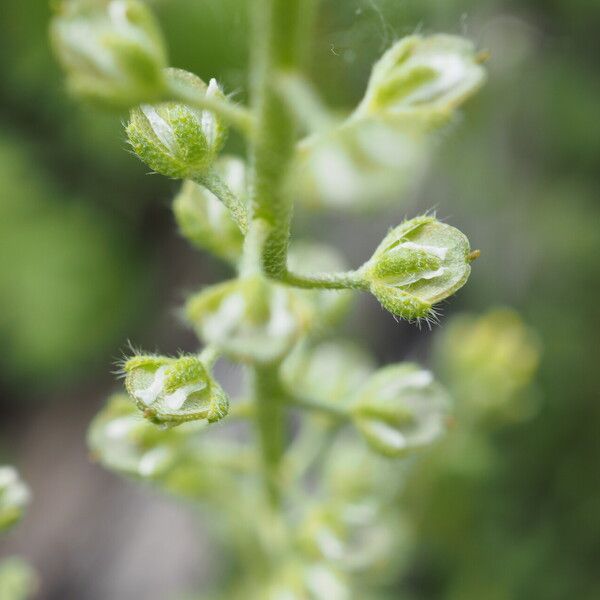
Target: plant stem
(302,98)
(213,183)
(267,396)
(209,356)
(278,40)
(327,281)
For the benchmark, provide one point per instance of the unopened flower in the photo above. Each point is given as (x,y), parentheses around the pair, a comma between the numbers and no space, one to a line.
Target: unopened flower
(175,139)
(124,442)
(418,264)
(422,77)
(174,390)
(401,409)
(112,51)
(250,319)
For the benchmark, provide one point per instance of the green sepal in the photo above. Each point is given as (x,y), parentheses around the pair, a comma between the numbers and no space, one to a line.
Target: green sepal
(174,139)
(417,265)
(423,80)
(174,390)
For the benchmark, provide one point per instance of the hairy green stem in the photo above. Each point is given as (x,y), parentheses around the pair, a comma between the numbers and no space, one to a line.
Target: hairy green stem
(213,183)
(268,399)
(279,36)
(209,356)
(251,263)
(327,281)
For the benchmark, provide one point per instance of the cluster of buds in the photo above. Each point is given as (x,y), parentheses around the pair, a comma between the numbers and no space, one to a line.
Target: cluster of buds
(113,52)
(380,153)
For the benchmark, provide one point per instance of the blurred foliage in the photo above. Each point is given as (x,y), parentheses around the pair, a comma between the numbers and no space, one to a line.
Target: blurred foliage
(520,174)
(18,581)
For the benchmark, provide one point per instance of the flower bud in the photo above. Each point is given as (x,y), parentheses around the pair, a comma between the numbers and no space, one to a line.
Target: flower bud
(125,443)
(489,362)
(202,217)
(418,264)
(174,139)
(174,390)
(423,77)
(355,475)
(112,50)
(401,409)
(332,371)
(360,166)
(14,497)
(250,319)
(356,537)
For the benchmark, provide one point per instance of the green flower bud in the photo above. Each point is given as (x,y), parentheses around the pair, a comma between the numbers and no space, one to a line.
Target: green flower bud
(125,443)
(112,50)
(418,264)
(308,258)
(174,390)
(421,77)
(202,217)
(251,319)
(355,475)
(14,497)
(401,409)
(174,139)
(489,362)
(360,166)
(332,371)
(356,537)
(18,580)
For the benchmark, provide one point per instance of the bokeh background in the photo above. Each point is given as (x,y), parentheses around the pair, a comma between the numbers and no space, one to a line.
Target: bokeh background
(90,258)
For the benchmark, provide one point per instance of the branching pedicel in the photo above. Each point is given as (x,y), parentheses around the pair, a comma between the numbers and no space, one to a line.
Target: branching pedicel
(273,315)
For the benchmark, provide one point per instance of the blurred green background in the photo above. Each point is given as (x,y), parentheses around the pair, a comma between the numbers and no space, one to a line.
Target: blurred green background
(89,258)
